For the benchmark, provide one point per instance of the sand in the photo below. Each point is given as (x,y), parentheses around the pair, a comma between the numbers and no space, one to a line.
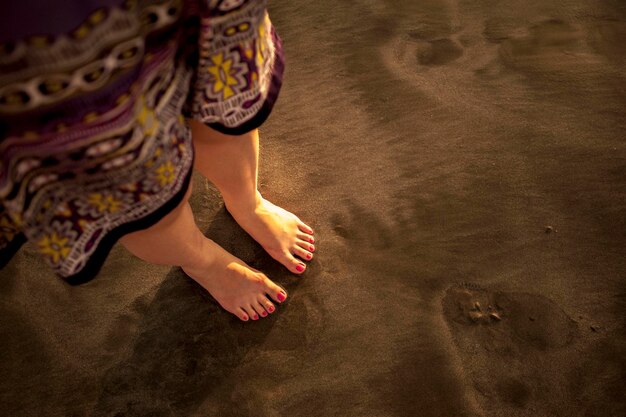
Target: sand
(464,166)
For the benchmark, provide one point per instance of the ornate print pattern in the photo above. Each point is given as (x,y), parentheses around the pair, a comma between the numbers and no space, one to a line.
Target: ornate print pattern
(93,140)
(240,66)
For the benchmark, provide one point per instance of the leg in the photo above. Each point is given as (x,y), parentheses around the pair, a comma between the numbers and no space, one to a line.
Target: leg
(231,163)
(176,240)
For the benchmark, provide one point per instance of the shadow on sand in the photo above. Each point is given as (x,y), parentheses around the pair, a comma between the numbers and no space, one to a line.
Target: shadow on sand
(186,346)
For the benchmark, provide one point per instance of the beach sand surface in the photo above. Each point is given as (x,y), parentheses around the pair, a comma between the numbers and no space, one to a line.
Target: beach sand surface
(464,167)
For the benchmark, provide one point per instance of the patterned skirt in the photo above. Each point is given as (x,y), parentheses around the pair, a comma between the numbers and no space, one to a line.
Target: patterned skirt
(94,97)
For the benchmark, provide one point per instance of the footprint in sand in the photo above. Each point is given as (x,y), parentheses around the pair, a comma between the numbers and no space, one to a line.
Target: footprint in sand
(524,318)
(509,342)
(435,52)
(408,54)
(536,47)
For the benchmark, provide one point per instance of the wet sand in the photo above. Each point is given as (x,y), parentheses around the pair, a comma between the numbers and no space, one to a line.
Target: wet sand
(464,166)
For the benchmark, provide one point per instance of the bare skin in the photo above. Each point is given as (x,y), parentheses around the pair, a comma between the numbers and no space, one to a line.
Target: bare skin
(283,235)
(176,240)
(239,288)
(231,163)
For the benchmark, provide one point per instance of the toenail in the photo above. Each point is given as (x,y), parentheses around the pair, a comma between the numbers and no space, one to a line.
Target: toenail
(300,268)
(245,318)
(271,309)
(255,317)
(312,240)
(281,296)
(309,256)
(263,313)
(311,248)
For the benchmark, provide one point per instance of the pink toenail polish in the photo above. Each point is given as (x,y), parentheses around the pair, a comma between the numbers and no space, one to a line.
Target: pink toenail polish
(311,240)
(281,296)
(255,317)
(300,268)
(271,309)
(309,256)
(263,313)
(311,248)
(245,318)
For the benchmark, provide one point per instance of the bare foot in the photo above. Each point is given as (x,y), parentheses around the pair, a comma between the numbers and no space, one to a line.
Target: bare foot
(239,289)
(282,234)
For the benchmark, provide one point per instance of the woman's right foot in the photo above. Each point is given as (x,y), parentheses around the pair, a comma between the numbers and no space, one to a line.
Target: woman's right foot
(240,289)
(282,234)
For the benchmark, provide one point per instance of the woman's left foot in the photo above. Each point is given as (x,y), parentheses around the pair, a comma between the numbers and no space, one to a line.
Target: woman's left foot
(281,233)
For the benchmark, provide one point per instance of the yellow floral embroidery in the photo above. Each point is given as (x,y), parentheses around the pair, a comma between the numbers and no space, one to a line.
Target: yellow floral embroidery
(223,75)
(104,203)
(165,173)
(38,41)
(82,223)
(17,219)
(97,16)
(122,99)
(261,44)
(54,246)
(64,210)
(147,119)
(152,160)
(81,32)
(90,116)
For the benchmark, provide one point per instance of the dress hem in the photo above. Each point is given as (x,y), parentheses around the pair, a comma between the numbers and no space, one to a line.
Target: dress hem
(97,259)
(270,100)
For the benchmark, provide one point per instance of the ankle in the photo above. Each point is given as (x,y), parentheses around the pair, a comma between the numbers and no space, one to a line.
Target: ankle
(203,259)
(243,204)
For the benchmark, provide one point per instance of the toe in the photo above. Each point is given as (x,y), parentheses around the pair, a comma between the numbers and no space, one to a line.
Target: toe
(259,310)
(240,312)
(276,292)
(255,315)
(305,245)
(303,227)
(268,307)
(300,267)
(302,253)
(289,261)
(250,312)
(306,238)
(295,265)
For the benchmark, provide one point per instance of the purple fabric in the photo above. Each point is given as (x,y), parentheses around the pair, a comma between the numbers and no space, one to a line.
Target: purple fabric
(93,141)
(24,18)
